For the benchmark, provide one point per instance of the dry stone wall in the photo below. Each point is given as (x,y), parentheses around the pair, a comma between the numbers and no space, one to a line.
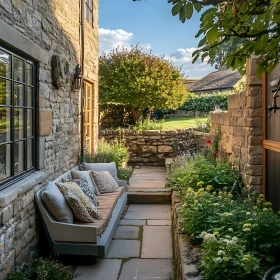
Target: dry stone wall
(241,128)
(50,28)
(152,147)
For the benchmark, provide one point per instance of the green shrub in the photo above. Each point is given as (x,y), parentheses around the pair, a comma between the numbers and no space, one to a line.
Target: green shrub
(197,168)
(147,124)
(225,257)
(254,225)
(206,102)
(108,152)
(43,269)
(125,173)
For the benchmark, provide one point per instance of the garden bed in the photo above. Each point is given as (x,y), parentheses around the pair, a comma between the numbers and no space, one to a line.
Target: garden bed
(237,232)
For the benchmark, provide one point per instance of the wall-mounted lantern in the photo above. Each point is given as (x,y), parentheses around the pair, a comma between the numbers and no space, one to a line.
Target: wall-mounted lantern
(78,78)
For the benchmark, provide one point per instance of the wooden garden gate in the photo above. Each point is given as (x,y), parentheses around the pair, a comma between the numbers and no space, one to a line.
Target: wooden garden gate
(271,132)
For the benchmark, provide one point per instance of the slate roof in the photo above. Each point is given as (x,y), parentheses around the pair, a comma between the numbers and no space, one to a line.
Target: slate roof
(219,80)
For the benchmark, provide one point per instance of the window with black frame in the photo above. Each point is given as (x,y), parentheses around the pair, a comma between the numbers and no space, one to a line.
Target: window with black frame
(89,11)
(17,117)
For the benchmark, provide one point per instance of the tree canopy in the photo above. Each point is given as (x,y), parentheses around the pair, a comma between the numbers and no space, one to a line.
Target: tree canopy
(256,22)
(140,80)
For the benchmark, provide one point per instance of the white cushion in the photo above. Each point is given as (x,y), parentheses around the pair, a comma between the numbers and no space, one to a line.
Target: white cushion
(56,204)
(110,167)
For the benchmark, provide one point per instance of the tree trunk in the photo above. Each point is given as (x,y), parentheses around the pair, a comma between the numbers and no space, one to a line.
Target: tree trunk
(135,113)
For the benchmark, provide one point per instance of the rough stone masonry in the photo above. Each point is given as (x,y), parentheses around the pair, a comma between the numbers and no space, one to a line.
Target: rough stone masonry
(42,29)
(241,128)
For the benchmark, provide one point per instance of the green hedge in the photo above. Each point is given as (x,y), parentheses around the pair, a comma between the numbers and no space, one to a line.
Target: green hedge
(206,102)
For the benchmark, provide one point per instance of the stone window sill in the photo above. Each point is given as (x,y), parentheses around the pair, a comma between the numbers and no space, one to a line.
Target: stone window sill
(11,193)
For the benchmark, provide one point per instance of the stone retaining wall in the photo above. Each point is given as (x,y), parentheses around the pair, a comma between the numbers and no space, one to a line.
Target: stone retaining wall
(186,255)
(241,128)
(152,147)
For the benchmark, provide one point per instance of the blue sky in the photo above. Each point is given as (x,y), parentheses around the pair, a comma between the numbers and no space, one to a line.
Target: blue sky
(150,23)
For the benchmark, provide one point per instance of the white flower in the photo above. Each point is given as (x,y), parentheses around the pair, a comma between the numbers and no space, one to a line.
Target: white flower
(202,235)
(230,230)
(218,260)
(248,213)
(209,236)
(234,238)
(221,253)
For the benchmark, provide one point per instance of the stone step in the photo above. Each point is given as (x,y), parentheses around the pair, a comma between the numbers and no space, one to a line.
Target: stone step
(148,196)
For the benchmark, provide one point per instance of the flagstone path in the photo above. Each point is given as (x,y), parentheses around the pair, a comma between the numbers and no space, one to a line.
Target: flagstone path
(141,248)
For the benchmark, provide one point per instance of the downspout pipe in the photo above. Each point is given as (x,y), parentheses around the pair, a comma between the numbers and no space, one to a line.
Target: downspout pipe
(82,57)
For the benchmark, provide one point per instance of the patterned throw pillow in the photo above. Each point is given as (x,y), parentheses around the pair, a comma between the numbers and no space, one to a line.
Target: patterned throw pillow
(104,181)
(85,201)
(78,208)
(83,184)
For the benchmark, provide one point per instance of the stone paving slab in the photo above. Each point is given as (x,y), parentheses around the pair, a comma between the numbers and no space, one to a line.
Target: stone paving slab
(149,208)
(148,215)
(141,269)
(124,249)
(103,269)
(132,222)
(148,170)
(124,232)
(157,242)
(146,183)
(159,223)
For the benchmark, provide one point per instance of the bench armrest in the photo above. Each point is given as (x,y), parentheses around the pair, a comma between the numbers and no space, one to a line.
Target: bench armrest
(122,183)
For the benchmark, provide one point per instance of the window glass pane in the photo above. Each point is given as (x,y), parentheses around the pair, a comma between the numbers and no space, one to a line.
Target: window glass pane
(29,123)
(18,70)
(5,64)
(19,157)
(18,94)
(29,153)
(29,74)
(18,123)
(5,92)
(5,161)
(29,97)
(5,129)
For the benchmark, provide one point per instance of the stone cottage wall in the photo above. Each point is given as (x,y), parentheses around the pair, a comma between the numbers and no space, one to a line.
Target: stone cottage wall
(241,128)
(42,29)
(152,147)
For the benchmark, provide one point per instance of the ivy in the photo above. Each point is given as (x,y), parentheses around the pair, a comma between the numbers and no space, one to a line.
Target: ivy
(206,102)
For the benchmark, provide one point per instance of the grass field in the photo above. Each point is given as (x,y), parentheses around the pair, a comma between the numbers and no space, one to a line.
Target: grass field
(181,122)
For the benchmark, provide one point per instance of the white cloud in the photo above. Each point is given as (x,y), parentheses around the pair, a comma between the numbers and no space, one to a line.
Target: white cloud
(183,57)
(111,39)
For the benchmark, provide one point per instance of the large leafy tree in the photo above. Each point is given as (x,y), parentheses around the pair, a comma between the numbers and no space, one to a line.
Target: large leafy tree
(256,22)
(140,80)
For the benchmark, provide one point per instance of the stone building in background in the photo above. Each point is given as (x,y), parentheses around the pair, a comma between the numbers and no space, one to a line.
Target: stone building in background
(41,44)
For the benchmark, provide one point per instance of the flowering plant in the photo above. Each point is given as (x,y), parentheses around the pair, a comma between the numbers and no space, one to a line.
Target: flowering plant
(225,257)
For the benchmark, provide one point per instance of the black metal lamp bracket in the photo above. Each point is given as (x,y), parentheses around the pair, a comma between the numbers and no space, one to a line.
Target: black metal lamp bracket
(275,96)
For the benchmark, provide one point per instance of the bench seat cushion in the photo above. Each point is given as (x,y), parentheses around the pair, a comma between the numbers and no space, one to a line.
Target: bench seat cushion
(107,203)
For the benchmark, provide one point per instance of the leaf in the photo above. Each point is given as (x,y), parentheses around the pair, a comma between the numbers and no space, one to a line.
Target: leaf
(270,258)
(202,42)
(195,58)
(200,31)
(182,15)
(197,7)
(176,8)
(212,35)
(189,7)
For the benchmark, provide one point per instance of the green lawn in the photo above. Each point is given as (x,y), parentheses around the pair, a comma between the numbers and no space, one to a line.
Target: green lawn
(181,122)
